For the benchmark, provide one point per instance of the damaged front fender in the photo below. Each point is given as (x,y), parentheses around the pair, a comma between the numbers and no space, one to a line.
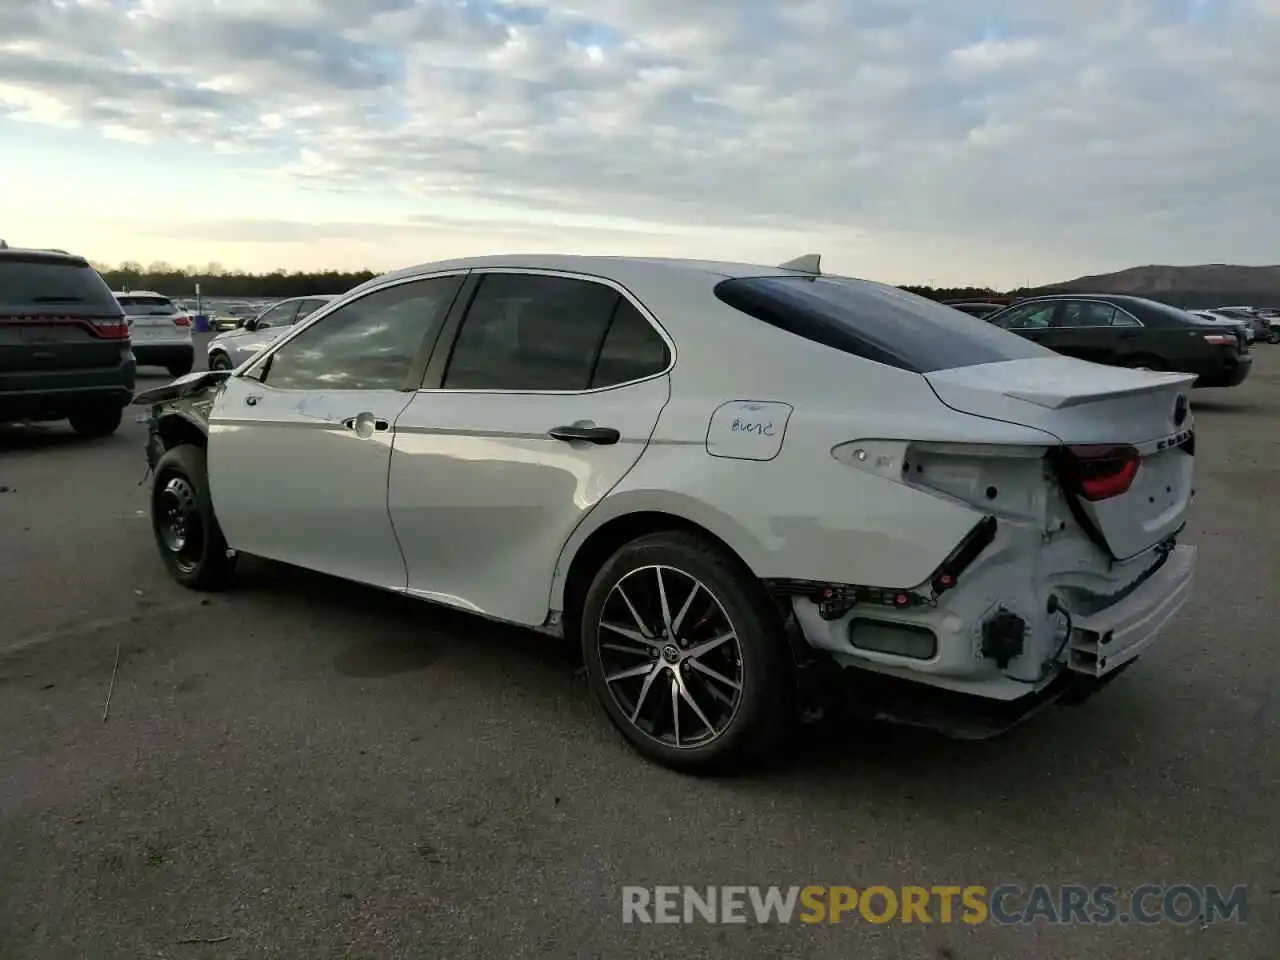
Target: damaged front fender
(179,412)
(185,386)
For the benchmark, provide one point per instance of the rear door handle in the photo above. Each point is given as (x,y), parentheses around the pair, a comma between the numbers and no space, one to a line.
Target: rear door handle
(605,436)
(351,423)
(252,399)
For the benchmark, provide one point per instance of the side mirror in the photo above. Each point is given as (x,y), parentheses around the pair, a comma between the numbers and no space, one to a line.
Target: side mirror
(250,324)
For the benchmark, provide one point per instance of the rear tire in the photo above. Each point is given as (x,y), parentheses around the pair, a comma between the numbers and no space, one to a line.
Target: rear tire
(180,369)
(734,703)
(1145,363)
(186,531)
(220,361)
(96,421)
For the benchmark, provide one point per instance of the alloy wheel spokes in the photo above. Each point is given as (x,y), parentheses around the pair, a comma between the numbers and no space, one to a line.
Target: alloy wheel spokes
(696,650)
(644,692)
(702,649)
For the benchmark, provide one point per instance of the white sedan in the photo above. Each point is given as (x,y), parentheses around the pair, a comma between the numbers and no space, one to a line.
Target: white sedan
(711,475)
(228,350)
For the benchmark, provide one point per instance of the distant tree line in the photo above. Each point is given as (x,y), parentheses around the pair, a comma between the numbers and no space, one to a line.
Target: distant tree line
(216,281)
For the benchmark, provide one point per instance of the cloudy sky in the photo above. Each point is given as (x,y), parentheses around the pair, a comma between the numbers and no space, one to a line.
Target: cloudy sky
(986,141)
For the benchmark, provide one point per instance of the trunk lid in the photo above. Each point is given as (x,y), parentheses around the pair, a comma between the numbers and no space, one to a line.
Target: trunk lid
(1127,454)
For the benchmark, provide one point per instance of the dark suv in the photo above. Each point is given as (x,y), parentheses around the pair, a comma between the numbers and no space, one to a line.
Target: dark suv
(1128,331)
(64,343)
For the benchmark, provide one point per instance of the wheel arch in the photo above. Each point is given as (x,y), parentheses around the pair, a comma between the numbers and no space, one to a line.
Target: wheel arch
(619,521)
(176,428)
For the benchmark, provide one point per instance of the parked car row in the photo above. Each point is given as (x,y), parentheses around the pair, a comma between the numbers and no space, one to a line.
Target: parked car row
(1137,332)
(229,349)
(682,465)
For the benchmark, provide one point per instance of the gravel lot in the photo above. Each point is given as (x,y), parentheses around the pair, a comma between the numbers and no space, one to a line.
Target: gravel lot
(303,768)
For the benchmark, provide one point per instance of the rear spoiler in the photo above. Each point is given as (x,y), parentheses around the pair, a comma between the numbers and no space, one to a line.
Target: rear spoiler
(1061,399)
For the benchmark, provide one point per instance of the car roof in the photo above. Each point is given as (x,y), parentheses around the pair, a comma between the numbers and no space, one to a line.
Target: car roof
(29,255)
(615,267)
(276,303)
(1125,298)
(139,293)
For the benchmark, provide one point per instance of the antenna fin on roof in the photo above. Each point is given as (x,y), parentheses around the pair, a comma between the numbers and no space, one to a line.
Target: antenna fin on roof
(809,263)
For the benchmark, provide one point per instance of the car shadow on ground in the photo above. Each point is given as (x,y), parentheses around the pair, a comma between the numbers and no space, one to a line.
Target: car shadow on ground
(837,752)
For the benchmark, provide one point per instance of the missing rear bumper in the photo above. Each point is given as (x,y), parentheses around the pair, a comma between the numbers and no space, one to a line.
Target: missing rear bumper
(1104,641)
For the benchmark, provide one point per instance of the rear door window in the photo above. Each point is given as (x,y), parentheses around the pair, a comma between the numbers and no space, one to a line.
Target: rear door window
(533,332)
(875,321)
(632,349)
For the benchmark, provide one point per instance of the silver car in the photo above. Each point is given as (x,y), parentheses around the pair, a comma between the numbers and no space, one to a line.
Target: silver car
(228,350)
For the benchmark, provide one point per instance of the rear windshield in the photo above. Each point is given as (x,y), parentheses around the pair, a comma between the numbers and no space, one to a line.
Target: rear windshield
(51,284)
(876,321)
(147,306)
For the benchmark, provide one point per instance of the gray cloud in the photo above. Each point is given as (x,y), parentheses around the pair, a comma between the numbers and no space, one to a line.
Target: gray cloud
(1089,131)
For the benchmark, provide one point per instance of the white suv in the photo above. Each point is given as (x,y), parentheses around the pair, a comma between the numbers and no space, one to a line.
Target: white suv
(160,331)
(711,475)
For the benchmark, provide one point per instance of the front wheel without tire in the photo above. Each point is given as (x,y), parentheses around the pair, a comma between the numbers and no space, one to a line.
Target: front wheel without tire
(687,654)
(96,421)
(186,531)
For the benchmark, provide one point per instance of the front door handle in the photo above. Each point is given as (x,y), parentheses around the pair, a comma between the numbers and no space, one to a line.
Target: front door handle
(365,424)
(577,433)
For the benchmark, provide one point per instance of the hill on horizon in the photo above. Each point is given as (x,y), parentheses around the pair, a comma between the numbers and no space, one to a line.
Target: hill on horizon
(1203,285)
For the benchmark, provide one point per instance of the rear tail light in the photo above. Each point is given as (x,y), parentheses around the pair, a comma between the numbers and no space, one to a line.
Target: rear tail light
(182,321)
(1099,472)
(109,328)
(1221,339)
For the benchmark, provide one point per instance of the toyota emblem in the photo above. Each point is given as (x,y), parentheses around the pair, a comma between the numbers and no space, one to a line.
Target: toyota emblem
(1180,410)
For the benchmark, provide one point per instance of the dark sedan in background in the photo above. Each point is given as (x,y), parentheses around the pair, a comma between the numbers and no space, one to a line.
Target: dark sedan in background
(1130,331)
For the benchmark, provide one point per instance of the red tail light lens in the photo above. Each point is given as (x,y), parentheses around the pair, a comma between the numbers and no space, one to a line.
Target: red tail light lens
(182,321)
(109,328)
(1102,472)
(1222,339)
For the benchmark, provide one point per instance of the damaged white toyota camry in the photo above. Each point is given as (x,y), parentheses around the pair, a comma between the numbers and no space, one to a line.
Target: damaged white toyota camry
(716,477)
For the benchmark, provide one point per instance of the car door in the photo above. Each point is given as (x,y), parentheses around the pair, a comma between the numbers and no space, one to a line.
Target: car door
(299,444)
(1083,329)
(266,329)
(546,396)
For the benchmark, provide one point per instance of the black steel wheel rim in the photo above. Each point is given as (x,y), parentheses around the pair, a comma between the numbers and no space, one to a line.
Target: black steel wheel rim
(670,656)
(179,523)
